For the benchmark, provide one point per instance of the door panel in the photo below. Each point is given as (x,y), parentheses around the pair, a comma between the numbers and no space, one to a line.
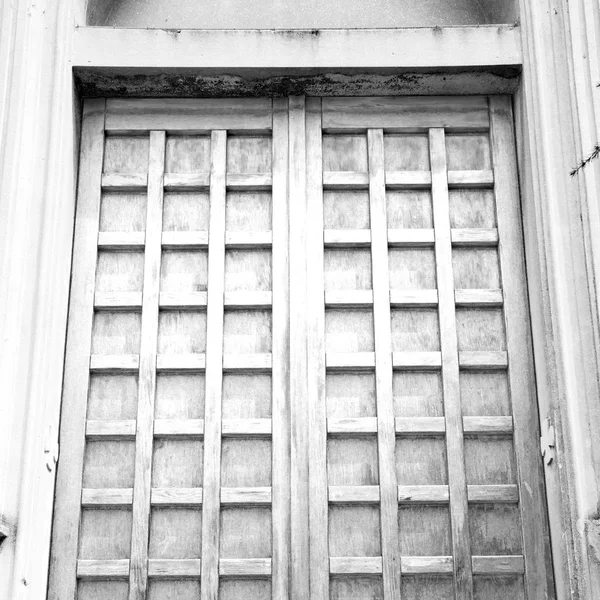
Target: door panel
(298,360)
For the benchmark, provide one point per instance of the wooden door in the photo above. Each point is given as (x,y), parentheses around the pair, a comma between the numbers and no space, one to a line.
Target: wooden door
(298,363)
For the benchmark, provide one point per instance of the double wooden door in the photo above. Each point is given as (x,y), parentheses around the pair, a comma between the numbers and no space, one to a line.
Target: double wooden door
(298,363)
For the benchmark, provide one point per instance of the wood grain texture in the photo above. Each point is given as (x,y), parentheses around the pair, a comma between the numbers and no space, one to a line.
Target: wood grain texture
(214,363)
(188,115)
(63,562)
(138,577)
(520,374)
(386,434)
(463,583)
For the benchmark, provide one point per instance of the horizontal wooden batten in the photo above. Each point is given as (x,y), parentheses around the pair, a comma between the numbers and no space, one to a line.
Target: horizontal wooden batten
(484,298)
(407,426)
(350,565)
(183,568)
(354,494)
(107,430)
(189,240)
(347,238)
(244,496)
(407,179)
(121,240)
(488,425)
(181,362)
(103,569)
(474,237)
(246,427)
(246,300)
(417,361)
(176,496)
(440,494)
(498,565)
(124,182)
(349,298)
(350,361)
(182,428)
(434,565)
(114,363)
(186,182)
(189,115)
(406,114)
(245,567)
(249,181)
(247,362)
(413,298)
(345,180)
(118,301)
(182,300)
(410,238)
(483,361)
(351,425)
(248,239)
(470,179)
(107,497)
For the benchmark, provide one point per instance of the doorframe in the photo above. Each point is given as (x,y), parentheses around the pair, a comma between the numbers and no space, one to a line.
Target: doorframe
(39,158)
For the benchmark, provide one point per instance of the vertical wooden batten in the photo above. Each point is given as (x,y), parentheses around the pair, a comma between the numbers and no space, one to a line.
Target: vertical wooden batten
(62,578)
(386,433)
(138,578)
(317,409)
(298,352)
(214,370)
(463,581)
(281,348)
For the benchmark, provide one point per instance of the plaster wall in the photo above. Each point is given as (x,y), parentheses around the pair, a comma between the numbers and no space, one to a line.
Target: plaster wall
(298,14)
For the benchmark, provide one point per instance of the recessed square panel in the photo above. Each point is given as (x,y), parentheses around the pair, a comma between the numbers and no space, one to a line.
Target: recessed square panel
(123,211)
(247,396)
(489,460)
(348,269)
(468,152)
(90,589)
(409,209)
(120,272)
(476,268)
(427,587)
(108,464)
(350,395)
(480,329)
(126,154)
(424,531)
(248,154)
(187,154)
(345,153)
(184,271)
(245,533)
(415,330)
(421,461)
(169,589)
(349,331)
(179,396)
(484,394)
(245,463)
(248,271)
(175,533)
(356,588)
(472,209)
(186,211)
(247,332)
(243,589)
(105,534)
(112,396)
(352,461)
(181,332)
(406,152)
(346,209)
(177,463)
(417,394)
(498,588)
(495,529)
(116,333)
(354,531)
(412,269)
(248,211)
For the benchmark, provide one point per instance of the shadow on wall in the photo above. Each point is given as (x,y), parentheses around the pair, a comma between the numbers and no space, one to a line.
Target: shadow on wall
(298,14)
